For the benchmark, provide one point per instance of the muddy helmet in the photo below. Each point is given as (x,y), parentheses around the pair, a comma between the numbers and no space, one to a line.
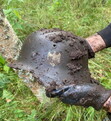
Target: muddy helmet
(55,56)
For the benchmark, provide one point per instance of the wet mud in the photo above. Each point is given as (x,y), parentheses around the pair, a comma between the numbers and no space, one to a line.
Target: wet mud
(55,58)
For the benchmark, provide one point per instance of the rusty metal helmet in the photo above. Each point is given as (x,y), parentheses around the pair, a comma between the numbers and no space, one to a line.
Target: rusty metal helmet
(55,56)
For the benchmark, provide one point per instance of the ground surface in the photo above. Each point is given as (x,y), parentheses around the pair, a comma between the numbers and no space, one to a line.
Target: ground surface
(83,18)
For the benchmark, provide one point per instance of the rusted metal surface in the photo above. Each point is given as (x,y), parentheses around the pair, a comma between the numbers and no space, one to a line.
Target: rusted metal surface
(55,58)
(50,58)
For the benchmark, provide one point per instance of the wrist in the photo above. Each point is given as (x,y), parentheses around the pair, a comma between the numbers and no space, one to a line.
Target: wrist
(96,42)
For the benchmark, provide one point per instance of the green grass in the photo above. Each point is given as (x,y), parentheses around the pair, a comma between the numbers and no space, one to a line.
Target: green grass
(83,18)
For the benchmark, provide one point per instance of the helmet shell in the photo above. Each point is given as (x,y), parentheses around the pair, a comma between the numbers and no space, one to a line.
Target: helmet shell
(55,56)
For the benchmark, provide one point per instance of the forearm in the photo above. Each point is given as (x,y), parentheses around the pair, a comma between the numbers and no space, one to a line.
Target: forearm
(96,42)
(101,39)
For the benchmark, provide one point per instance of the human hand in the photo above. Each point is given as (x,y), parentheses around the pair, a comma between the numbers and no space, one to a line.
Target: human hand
(82,95)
